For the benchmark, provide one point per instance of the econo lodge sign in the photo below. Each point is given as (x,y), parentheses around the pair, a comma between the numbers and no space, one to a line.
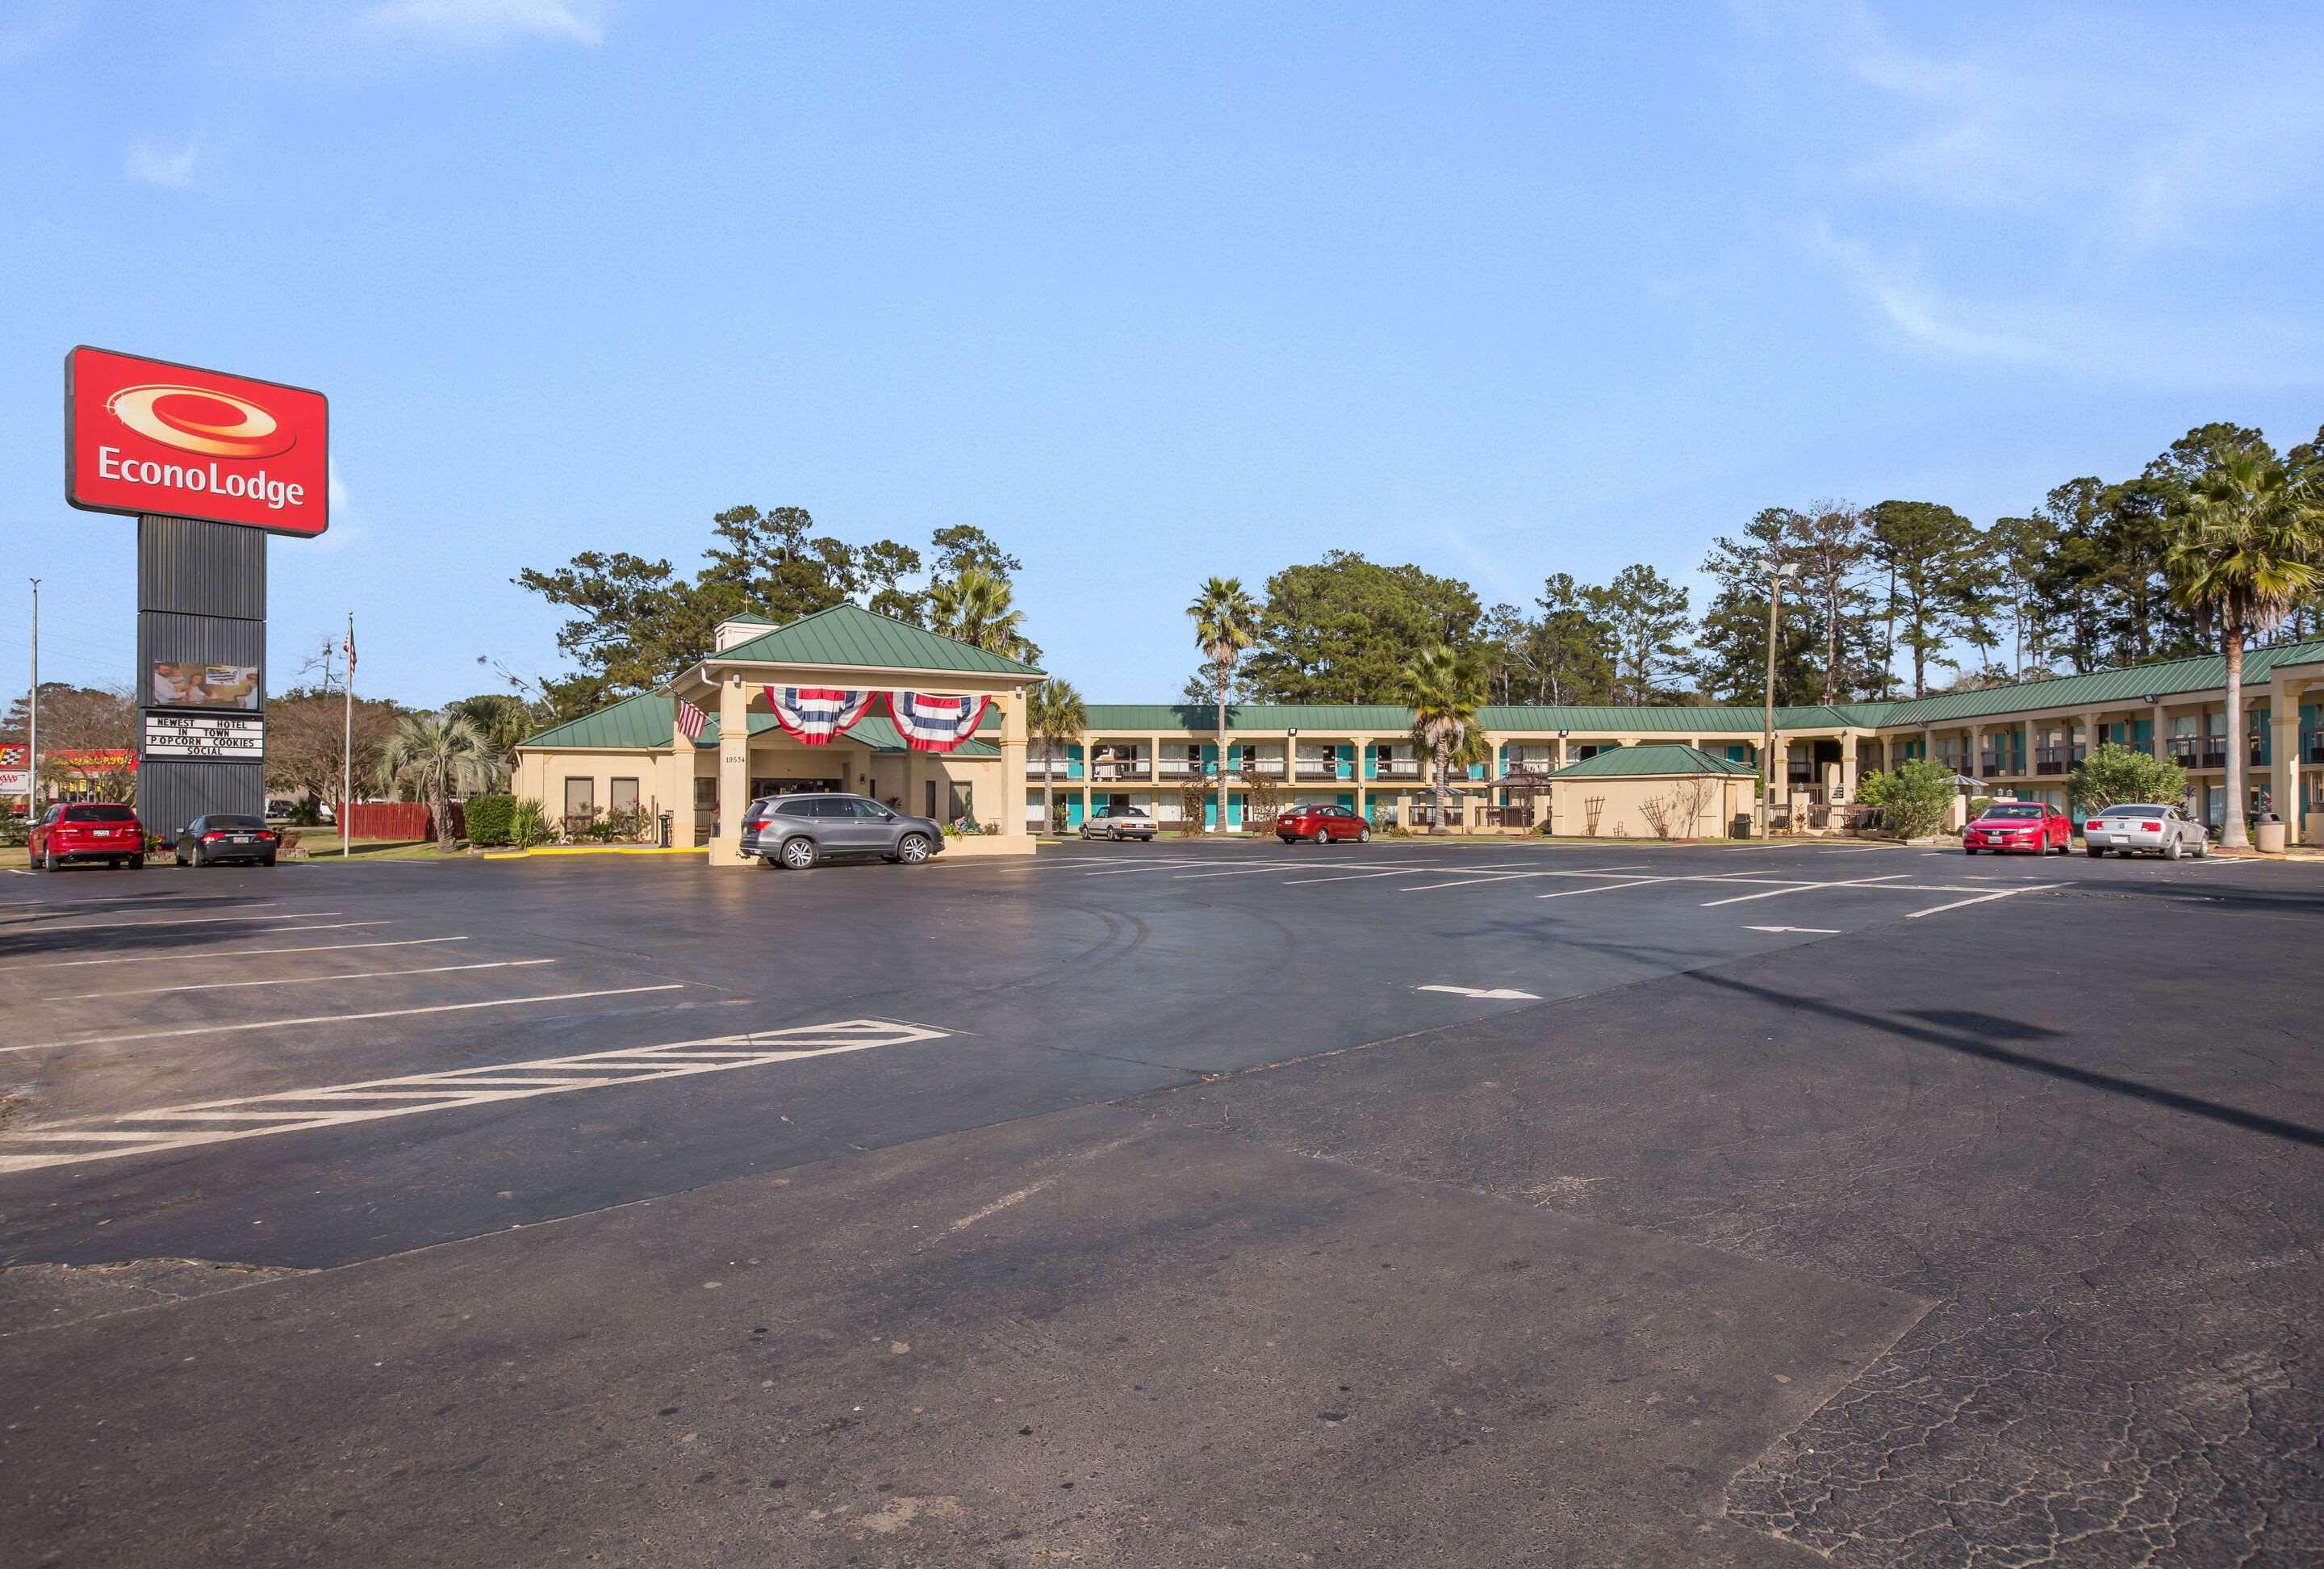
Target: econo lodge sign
(147,435)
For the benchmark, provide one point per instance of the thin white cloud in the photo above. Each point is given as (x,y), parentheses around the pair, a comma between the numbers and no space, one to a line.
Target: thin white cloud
(155,164)
(1925,318)
(492,21)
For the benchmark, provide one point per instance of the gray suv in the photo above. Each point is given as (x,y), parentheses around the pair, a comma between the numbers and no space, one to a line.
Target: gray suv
(797,831)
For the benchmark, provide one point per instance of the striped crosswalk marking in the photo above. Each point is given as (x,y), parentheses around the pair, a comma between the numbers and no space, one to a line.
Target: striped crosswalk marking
(372,1100)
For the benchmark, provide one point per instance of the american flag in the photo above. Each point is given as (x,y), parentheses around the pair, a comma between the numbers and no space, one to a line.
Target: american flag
(350,646)
(934,720)
(691,719)
(814,715)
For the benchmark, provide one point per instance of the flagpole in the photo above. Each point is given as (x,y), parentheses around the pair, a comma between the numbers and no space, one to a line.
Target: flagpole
(348,753)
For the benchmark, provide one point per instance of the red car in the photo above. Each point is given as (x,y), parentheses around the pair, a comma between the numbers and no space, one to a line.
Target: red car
(2028,826)
(1322,824)
(87,830)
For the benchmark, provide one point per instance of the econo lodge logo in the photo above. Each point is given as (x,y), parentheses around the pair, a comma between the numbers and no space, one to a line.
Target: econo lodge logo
(196,444)
(187,417)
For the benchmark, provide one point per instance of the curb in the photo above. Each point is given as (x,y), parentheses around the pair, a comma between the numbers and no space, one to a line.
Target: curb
(590,850)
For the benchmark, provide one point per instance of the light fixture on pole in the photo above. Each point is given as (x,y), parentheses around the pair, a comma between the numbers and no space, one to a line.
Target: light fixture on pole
(1776,581)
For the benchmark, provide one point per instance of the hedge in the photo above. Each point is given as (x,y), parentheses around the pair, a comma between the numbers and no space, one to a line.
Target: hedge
(491,819)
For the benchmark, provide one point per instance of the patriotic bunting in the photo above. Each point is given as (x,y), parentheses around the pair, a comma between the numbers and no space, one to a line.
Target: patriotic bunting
(814,715)
(691,719)
(932,722)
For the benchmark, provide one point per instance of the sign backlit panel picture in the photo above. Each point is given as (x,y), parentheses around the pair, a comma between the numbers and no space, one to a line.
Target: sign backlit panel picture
(205,687)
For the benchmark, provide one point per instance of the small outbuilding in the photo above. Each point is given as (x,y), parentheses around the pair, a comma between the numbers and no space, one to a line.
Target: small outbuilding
(1660,791)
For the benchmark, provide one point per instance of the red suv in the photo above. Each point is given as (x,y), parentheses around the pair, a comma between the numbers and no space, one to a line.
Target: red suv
(2030,825)
(1322,824)
(87,830)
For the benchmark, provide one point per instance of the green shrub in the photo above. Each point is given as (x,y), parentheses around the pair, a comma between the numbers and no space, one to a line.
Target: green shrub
(528,825)
(491,819)
(1913,800)
(14,830)
(2114,774)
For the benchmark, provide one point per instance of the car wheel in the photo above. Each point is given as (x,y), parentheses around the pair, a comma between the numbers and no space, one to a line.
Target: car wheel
(1363,836)
(797,854)
(1968,849)
(2172,851)
(2094,852)
(198,858)
(1288,839)
(266,861)
(912,849)
(52,864)
(2203,851)
(137,864)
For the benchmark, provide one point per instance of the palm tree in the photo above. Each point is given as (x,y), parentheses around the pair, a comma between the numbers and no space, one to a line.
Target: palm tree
(1226,623)
(501,721)
(1055,712)
(976,608)
(1444,688)
(431,751)
(2250,547)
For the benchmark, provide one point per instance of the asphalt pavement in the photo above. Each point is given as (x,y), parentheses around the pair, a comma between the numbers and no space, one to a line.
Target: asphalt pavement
(1381,1203)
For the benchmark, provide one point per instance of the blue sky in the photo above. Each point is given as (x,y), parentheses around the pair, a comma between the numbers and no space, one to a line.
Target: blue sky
(1147,292)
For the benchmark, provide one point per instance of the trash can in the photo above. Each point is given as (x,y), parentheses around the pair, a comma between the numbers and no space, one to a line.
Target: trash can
(1740,829)
(2267,834)
(663,836)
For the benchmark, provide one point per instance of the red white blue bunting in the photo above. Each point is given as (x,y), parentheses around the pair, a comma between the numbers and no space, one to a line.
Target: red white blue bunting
(934,722)
(814,715)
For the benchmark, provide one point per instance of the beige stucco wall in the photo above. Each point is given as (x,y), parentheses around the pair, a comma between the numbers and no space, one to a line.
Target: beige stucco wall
(1624,816)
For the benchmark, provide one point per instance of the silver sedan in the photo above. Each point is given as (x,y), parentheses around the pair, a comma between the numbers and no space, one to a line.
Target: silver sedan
(2144,830)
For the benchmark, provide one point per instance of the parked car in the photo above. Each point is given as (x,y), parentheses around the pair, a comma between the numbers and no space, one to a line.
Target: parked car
(797,831)
(1321,823)
(222,837)
(2145,830)
(2033,827)
(87,831)
(1123,823)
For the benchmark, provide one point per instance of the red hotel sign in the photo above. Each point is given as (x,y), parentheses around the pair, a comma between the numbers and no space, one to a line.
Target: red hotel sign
(147,435)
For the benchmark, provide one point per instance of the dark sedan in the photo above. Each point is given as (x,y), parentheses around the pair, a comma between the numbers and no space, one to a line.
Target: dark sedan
(220,838)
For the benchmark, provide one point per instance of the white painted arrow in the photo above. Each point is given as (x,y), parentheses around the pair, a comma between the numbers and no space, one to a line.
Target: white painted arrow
(1820,931)
(1496,994)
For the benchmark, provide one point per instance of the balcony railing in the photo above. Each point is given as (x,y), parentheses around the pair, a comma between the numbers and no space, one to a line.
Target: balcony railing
(1261,767)
(1318,768)
(1398,768)
(1181,768)
(1120,769)
(2056,759)
(1055,768)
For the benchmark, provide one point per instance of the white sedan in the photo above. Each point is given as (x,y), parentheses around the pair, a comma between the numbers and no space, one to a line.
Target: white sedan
(2144,830)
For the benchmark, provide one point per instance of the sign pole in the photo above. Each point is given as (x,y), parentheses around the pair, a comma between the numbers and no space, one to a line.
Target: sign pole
(32,720)
(347,752)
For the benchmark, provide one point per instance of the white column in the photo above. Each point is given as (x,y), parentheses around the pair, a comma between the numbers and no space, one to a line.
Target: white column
(1012,764)
(734,771)
(679,801)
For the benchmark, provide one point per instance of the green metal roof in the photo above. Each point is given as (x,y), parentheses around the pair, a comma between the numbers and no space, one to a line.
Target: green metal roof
(1661,758)
(849,634)
(642,721)
(1388,719)
(645,723)
(1337,717)
(2102,688)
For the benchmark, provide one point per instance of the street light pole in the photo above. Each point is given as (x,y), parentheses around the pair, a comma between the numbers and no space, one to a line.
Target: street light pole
(32,719)
(1767,728)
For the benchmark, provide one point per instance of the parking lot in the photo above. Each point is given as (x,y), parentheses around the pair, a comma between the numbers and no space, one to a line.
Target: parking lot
(1230,1202)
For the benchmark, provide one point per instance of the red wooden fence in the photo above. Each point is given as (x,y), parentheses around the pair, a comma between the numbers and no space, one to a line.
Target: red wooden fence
(399,820)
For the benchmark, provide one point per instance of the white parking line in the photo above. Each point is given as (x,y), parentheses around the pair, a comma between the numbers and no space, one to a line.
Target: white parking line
(300,980)
(1819,931)
(211,956)
(211,919)
(1606,887)
(1981,898)
(340,1018)
(1238,872)
(1797,888)
(333,1105)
